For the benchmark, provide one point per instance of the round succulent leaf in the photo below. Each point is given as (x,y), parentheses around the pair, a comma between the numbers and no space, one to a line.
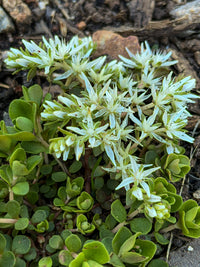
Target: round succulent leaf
(96,251)
(21,188)
(20,263)
(132,258)
(74,187)
(120,237)
(128,244)
(73,243)
(62,194)
(42,226)
(65,257)
(118,211)
(116,261)
(6,143)
(158,263)
(7,259)
(98,182)
(19,169)
(13,208)
(59,176)
(33,147)
(20,108)
(46,169)
(35,93)
(142,225)
(21,244)
(75,166)
(92,263)
(78,261)
(85,201)
(161,239)
(22,224)
(32,197)
(58,202)
(45,262)
(24,124)
(56,242)
(104,232)
(38,216)
(110,222)
(2,243)
(19,154)
(147,248)
(107,241)
(33,161)
(65,233)
(31,255)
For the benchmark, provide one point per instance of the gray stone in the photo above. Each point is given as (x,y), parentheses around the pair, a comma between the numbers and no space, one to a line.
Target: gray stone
(186,256)
(6,24)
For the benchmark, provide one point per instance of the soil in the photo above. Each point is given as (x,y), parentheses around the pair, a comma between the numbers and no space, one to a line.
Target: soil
(157,21)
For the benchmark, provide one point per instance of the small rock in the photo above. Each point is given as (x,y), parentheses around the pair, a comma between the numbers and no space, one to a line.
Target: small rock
(197,57)
(190,11)
(113,44)
(81,25)
(196,194)
(190,248)
(6,24)
(19,11)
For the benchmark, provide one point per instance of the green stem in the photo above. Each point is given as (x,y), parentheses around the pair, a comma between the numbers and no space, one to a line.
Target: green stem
(170,228)
(114,230)
(133,214)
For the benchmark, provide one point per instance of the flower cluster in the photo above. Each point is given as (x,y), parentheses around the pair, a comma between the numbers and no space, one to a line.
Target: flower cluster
(119,108)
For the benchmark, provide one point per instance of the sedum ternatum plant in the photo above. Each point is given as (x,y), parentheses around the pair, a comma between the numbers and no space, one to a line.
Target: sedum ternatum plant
(87,179)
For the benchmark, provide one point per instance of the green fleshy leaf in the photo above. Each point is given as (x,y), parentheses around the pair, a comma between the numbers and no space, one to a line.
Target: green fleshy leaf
(161,239)
(96,251)
(118,211)
(20,108)
(85,201)
(142,225)
(59,176)
(78,261)
(115,261)
(21,244)
(2,243)
(38,216)
(73,243)
(121,236)
(65,257)
(19,154)
(22,224)
(75,167)
(24,124)
(132,258)
(13,208)
(19,169)
(21,189)
(45,262)
(148,249)
(128,244)
(20,263)
(35,92)
(33,147)
(7,259)
(31,255)
(158,263)
(33,161)
(56,242)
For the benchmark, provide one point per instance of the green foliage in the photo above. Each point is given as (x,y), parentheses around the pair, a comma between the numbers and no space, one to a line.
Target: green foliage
(189,219)
(86,179)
